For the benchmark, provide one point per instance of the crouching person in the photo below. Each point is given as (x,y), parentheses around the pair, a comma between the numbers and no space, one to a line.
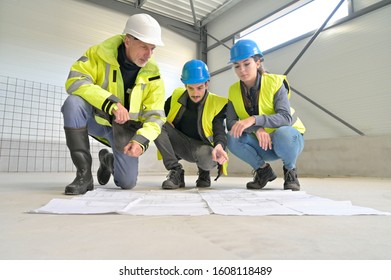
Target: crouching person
(262,125)
(195,129)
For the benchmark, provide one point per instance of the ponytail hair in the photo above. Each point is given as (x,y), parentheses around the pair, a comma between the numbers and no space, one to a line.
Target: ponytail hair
(261,68)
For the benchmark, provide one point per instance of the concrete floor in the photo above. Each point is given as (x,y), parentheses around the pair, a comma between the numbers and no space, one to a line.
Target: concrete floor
(111,237)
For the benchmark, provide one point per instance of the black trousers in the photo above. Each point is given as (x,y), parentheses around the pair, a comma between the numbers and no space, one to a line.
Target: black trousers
(174,146)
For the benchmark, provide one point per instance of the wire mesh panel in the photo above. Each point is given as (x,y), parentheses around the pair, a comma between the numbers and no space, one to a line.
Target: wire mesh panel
(32,137)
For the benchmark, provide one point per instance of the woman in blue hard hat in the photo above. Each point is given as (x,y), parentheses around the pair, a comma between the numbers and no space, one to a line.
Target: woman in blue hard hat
(194,130)
(262,126)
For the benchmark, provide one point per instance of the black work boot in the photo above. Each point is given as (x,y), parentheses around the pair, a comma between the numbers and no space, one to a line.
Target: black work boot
(261,177)
(175,179)
(105,170)
(290,180)
(203,180)
(79,147)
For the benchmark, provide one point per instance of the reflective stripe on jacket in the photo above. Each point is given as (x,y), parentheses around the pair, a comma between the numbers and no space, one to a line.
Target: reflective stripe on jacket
(96,77)
(270,84)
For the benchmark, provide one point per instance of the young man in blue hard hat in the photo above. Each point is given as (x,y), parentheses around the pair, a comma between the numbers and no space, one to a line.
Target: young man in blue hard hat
(195,129)
(262,125)
(116,95)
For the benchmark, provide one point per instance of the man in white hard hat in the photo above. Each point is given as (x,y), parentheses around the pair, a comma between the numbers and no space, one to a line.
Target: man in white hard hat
(116,95)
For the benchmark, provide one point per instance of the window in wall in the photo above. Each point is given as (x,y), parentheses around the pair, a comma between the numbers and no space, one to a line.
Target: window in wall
(294,21)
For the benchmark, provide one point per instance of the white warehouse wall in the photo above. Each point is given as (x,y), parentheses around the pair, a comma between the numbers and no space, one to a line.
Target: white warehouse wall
(345,70)
(39,41)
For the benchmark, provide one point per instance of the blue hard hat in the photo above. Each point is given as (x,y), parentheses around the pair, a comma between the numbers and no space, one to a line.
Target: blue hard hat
(195,72)
(243,49)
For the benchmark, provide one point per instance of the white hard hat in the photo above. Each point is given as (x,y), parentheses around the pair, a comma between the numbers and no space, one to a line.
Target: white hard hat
(145,28)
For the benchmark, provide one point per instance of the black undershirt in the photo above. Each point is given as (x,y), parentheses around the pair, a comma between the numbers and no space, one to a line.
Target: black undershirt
(188,124)
(250,96)
(129,72)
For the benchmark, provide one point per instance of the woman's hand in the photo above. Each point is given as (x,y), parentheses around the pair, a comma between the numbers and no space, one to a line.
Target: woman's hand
(238,128)
(264,139)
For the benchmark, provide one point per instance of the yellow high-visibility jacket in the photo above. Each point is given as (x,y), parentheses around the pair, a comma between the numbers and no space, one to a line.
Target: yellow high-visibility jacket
(212,106)
(270,84)
(96,77)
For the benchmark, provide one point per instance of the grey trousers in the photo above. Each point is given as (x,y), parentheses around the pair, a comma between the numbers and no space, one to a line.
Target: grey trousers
(174,146)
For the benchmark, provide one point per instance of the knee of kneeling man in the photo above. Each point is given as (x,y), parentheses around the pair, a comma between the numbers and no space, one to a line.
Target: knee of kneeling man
(126,185)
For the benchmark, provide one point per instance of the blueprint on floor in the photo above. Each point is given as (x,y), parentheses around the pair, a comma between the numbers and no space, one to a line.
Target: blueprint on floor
(196,202)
